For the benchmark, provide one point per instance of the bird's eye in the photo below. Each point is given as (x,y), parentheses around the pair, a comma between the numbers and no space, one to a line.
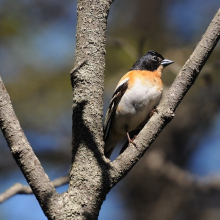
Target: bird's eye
(155,58)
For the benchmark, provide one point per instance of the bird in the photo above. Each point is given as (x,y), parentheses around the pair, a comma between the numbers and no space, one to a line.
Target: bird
(134,99)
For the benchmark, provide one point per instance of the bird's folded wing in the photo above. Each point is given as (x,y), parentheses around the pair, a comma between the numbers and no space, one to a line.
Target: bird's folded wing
(119,92)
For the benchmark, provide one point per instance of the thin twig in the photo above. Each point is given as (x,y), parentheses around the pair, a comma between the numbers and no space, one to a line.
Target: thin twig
(18,188)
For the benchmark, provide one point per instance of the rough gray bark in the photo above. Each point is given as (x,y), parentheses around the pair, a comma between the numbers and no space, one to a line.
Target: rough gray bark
(89,174)
(92,175)
(23,153)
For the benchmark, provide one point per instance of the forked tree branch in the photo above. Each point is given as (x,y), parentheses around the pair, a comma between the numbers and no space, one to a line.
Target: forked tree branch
(156,163)
(92,175)
(169,103)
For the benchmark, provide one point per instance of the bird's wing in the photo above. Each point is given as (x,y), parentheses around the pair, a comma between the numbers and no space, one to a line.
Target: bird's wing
(116,98)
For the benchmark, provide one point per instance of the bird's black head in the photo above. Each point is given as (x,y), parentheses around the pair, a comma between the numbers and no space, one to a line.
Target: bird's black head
(150,61)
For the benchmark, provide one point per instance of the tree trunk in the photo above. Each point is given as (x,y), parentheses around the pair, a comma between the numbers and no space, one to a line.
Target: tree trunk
(89,179)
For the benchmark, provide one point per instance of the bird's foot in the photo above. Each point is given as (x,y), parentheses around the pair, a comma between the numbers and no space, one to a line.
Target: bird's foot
(131,140)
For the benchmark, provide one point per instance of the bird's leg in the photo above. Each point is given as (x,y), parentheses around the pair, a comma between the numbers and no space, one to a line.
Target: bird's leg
(131,140)
(132,134)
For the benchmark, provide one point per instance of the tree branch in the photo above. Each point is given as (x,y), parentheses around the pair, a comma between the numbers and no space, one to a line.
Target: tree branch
(18,188)
(91,174)
(168,105)
(23,153)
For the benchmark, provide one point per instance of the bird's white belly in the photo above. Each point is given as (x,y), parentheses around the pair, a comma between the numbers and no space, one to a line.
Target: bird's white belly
(135,107)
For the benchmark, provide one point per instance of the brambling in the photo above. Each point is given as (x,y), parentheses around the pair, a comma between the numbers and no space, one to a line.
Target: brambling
(136,95)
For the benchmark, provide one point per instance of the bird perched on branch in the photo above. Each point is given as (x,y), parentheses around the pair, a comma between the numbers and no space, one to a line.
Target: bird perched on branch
(136,95)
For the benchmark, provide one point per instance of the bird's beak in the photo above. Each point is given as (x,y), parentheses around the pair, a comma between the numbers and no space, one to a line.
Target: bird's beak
(166,62)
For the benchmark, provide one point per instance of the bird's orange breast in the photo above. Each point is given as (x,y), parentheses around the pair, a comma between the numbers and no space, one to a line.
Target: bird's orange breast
(148,78)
